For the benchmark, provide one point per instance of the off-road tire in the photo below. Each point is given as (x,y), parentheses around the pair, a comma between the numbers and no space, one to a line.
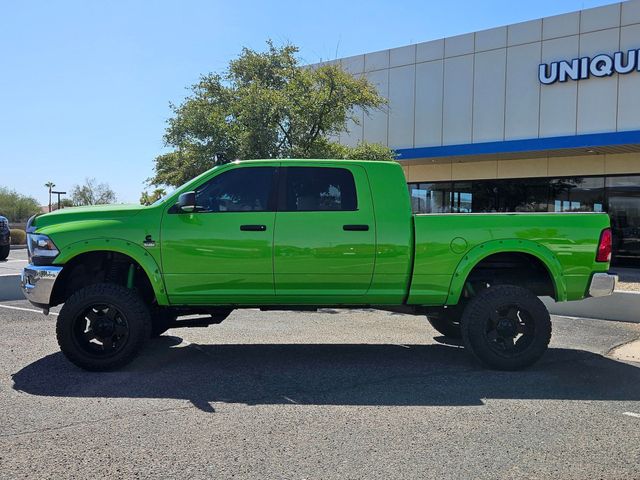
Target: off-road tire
(4,251)
(475,324)
(127,302)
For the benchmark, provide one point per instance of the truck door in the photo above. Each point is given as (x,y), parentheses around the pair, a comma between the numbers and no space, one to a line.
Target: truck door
(325,234)
(223,252)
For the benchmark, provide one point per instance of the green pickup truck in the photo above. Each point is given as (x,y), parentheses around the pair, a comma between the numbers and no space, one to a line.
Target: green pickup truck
(301,235)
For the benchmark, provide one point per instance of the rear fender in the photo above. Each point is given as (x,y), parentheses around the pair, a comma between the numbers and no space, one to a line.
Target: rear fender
(480,252)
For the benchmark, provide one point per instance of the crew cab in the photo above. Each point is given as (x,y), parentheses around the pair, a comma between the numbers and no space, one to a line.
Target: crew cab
(305,234)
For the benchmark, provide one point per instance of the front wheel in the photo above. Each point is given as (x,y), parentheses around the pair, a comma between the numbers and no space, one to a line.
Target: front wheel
(103,327)
(506,327)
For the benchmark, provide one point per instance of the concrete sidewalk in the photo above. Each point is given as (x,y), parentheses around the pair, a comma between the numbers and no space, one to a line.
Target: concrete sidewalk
(621,306)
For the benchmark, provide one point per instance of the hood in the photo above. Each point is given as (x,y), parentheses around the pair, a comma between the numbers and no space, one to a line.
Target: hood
(72,214)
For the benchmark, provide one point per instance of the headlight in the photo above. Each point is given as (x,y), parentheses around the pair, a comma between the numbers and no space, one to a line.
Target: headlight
(41,249)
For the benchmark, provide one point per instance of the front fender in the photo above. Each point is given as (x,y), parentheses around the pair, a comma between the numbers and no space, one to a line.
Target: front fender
(125,247)
(482,251)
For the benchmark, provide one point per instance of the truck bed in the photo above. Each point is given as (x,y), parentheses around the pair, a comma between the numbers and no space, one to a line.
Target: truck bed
(448,246)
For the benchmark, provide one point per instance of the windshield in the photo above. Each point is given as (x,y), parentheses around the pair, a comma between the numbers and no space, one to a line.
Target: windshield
(163,198)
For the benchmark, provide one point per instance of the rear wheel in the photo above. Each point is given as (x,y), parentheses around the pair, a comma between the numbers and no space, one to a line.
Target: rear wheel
(4,252)
(506,327)
(103,327)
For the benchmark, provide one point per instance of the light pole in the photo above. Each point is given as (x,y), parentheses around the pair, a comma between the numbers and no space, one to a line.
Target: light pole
(50,185)
(57,193)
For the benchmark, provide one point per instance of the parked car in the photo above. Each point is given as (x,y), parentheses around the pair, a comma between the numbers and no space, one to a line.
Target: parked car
(305,234)
(5,238)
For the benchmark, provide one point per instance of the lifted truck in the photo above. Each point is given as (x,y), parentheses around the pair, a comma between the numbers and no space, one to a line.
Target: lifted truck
(305,234)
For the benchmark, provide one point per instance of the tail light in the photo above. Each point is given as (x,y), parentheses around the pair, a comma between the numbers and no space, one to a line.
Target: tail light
(604,247)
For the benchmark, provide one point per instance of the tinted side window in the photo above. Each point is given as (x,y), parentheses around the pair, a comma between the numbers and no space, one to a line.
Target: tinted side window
(319,189)
(239,190)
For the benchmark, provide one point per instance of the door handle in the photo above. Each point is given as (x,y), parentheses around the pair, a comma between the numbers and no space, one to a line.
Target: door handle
(356,228)
(253,228)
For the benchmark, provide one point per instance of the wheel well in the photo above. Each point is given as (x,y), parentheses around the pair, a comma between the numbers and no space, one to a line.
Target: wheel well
(101,267)
(511,268)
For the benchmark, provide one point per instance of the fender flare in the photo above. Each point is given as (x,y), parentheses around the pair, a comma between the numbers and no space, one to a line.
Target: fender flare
(483,250)
(125,247)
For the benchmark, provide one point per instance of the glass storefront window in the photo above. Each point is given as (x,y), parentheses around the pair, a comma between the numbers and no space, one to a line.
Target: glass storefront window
(430,197)
(462,197)
(523,195)
(577,194)
(623,195)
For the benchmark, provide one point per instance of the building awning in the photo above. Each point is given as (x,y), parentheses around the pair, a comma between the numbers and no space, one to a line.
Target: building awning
(570,145)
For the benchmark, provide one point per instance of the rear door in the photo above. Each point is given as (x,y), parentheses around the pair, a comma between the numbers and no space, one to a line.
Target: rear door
(223,252)
(324,244)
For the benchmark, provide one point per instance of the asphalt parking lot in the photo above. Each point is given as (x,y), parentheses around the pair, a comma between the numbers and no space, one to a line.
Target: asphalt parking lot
(333,394)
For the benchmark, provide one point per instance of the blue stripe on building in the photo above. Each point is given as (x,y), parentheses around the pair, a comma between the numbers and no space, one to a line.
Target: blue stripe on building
(526,145)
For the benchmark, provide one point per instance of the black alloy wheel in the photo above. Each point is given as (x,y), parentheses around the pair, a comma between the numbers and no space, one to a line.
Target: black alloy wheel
(103,326)
(506,327)
(101,330)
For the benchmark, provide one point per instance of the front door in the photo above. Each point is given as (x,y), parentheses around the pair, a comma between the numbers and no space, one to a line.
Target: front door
(223,251)
(324,235)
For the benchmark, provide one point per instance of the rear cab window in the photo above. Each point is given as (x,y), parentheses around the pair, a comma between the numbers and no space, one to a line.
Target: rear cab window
(315,189)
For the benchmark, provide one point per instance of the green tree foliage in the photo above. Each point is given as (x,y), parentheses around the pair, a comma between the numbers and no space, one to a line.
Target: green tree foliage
(266,105)
(92,193)
(17,207)
(147,198)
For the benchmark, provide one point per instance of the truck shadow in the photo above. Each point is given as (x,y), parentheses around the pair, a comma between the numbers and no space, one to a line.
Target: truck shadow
(331,374)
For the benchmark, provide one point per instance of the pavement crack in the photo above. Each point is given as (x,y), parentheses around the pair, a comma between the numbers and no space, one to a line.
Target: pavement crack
(94,422)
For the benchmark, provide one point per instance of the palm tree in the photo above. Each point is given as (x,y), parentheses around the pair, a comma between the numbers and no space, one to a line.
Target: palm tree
(50,184)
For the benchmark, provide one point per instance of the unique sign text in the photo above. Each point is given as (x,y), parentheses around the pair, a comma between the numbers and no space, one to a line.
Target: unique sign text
(583,68)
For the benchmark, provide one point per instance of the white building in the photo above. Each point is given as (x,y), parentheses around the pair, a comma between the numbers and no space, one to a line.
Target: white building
(537,116)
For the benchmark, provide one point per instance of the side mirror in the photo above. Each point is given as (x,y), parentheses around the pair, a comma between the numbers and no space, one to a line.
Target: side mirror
(187,202)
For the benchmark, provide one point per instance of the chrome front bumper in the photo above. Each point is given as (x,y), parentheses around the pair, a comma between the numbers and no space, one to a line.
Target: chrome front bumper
(602,284)
(37,283)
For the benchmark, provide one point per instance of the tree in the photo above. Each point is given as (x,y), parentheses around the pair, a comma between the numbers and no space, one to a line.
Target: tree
(265,105)
(147,198)
(92,193)
(17,207)
(50,186)
(362,151)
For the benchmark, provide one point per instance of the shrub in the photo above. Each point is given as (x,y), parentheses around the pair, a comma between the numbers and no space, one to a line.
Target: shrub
(17,207)
(18,237)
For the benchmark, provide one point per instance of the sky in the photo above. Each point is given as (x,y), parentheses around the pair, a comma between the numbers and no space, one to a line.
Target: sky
(85,86)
